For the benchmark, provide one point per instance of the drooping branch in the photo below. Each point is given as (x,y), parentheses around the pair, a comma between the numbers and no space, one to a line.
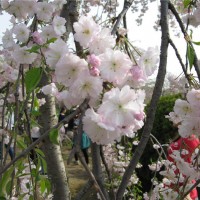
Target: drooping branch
(179,57)
(175,13)
(127,5)
(153,104)
(83,106)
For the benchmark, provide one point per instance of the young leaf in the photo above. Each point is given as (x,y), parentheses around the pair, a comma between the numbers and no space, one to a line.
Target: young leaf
(52,40)
(6,177)
(32,78)
(21,144)
(42,185)
(34,49)
(186,3)
(53,136)
(197,43)
(190,54)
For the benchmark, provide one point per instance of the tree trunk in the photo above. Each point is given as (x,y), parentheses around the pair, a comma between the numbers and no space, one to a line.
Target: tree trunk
(55,165)
(96,168)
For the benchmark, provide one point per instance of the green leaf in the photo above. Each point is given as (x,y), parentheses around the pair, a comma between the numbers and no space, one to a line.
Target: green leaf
(190,54)
(197,43)
(40,152)
(32,78)
(35,113)
(31,197)
(53,136)
(21,144)
(52,40)
(186,3)
(34,49)
(48,185)
(42,185)
(9,187)
(6,177)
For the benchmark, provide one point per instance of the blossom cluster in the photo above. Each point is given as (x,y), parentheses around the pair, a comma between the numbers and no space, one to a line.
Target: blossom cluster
(178,176)
(117,158)
(104,73)
(186,114)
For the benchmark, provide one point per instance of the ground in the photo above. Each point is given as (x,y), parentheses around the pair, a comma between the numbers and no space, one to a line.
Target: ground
(77,176)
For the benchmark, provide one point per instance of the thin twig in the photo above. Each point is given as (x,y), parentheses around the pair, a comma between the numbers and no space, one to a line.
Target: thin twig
(127,5)
(195,63)
(153,104)
(179,57)
(83,106)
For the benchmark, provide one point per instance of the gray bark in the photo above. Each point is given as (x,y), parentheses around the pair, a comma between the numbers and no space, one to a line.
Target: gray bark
(55,165)
(153,104)
(97,169)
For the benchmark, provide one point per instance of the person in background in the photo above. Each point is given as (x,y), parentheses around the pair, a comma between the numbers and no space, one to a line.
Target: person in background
(9,146)
(85,144)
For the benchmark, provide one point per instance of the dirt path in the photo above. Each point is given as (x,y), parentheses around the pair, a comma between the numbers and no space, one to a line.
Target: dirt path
(77,177)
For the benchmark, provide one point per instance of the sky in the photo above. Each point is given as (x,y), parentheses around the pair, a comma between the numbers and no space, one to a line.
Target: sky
(143,36)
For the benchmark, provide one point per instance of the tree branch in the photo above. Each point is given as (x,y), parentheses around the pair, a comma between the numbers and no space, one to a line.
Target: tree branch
(195,63)
(127,5)
(179,57)
(83,106)
(153,105)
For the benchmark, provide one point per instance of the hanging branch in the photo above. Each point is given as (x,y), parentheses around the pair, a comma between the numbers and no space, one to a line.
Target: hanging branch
(195,62)
(83,106)
(153,104)
(179,57)
(127,5)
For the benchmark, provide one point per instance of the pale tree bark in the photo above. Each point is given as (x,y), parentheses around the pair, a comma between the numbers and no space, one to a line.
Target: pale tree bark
(55,164)
(153,104)
(97,169)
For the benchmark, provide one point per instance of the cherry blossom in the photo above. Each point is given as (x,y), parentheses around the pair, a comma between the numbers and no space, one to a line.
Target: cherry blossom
(69,68)
(102,41)
(55,51)
(59,25)
(22,56)
(22,32)
(115,66)
(85,29)
(44,11)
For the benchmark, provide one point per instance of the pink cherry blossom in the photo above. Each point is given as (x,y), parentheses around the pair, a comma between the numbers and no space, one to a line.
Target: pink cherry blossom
(115,66)
(102,41)
(149,60)
(22,32)
(69,68)
(93,60)
(55,51)
(44,11)
(121,105)
(59,25)
(37,38)
(94,71)
(22,56)
(85,29)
